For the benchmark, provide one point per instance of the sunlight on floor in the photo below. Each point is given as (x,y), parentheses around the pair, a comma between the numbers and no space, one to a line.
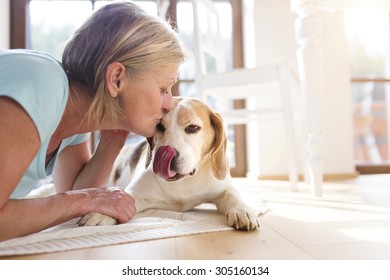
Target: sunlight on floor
(370,234)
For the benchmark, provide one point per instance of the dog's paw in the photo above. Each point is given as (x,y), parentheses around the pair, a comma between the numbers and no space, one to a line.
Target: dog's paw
(96,219)
(242,218)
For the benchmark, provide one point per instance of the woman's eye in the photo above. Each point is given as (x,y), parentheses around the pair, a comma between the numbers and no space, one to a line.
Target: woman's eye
(192,129)
(164,91)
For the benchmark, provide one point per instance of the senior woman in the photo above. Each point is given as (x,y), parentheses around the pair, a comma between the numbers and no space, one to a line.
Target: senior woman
(116,76)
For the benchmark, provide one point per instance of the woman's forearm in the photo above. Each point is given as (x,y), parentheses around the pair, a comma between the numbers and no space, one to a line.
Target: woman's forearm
(97,170)
(19,217)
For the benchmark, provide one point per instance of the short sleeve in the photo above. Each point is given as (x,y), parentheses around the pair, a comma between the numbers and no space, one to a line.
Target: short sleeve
(38,83)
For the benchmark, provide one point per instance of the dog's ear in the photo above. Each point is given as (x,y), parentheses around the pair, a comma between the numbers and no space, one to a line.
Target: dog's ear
(219,161)
(150,151)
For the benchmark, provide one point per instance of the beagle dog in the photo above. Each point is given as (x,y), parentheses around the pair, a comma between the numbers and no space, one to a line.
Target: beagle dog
(183,166)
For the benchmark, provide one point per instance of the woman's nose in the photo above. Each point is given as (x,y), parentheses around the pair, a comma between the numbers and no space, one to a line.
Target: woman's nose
(167,102)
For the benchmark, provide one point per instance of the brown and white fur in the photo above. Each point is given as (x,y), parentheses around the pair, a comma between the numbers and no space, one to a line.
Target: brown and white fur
(197,134)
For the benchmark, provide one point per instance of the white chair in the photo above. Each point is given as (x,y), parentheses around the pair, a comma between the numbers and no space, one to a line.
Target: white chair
(214,81)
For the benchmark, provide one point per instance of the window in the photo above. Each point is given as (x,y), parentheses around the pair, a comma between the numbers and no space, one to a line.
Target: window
(185,25)
(230,16)
(53,22)
(186,30)
(368,41)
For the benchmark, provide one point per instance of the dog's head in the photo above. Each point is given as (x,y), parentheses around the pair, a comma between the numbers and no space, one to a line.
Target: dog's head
(188,138)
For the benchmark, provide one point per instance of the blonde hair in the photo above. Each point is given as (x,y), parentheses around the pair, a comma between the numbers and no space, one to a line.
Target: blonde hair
(118,32)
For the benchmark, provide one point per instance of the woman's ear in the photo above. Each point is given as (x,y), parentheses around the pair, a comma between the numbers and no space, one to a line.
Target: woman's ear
(115,78)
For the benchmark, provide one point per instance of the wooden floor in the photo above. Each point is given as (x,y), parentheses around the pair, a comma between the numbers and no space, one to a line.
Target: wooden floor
(350,221)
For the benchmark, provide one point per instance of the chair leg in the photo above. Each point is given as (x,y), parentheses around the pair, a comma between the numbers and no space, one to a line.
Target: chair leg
(289,126)
(314,164)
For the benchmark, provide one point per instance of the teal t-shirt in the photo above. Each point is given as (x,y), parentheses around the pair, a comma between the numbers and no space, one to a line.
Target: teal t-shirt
(37,81)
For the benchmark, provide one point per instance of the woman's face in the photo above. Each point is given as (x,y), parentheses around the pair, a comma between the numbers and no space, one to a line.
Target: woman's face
(147,98)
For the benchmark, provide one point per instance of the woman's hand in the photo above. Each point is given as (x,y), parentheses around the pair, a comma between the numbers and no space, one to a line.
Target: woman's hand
(112,202)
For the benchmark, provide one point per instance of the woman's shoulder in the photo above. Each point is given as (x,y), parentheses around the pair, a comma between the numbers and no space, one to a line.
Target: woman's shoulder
(35,65)
(30,62)
(37,81)
(25,54)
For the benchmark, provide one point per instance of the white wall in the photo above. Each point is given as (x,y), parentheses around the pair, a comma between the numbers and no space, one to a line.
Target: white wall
(4,24)
(274,40)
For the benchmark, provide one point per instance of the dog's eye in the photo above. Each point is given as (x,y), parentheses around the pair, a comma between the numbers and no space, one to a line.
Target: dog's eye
(160,128)
(192,128)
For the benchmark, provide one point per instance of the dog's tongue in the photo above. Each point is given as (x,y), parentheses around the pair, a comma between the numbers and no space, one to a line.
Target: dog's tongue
(162,162)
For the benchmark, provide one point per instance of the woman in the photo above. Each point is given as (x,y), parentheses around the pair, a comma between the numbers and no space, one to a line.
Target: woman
(116,76)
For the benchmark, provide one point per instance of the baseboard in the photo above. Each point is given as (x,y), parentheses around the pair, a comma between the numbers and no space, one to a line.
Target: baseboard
(340,176)
(327,177)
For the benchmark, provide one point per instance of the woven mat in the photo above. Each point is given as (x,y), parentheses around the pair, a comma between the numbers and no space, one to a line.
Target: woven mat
(148,225)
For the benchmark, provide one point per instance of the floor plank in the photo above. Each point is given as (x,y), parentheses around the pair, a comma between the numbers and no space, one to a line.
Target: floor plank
(264,243)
